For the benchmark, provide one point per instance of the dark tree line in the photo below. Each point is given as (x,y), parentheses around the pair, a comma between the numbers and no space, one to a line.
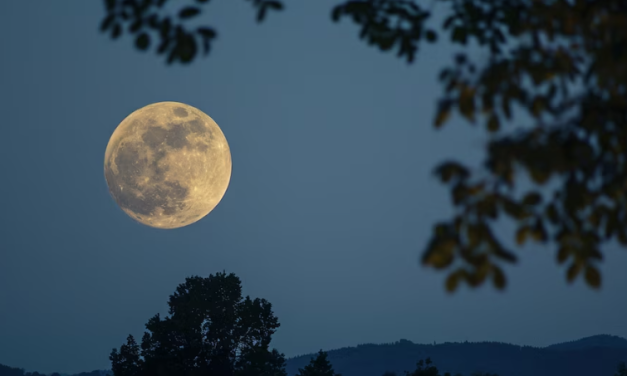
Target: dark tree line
(212,329)
(11,371)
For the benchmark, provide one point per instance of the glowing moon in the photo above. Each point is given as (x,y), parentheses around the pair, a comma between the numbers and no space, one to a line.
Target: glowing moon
(167,165)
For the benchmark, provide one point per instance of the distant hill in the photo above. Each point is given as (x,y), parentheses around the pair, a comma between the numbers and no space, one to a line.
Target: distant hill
(591,356)
(603,340)
(585,359)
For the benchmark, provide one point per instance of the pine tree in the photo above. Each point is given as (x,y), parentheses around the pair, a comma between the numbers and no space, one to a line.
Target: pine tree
(320,366)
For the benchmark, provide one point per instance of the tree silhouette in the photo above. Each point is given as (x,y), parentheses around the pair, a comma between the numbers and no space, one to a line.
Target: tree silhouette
(426,368)
(621,370)
(563,63)
(318,366)
(210,330)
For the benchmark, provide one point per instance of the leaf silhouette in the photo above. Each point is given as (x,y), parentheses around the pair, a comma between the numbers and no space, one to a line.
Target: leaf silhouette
(189,12)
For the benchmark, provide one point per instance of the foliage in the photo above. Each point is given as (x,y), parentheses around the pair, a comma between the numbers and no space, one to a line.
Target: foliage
(147,21)
(560,62)
(621,370)
(563,62)
(318,366)
(11,371)
(426,368)
(210,330)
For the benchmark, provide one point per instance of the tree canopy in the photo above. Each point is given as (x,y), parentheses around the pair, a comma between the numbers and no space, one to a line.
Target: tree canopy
(561,62)
(318,366)
(210,329)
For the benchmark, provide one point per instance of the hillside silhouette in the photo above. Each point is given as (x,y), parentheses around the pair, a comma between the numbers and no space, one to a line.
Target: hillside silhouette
(603,340)
(590,356)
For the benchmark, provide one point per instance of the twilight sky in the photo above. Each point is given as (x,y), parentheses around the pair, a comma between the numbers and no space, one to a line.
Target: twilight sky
(330,203)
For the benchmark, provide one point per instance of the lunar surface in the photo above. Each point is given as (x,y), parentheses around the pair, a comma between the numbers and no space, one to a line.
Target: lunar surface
(167,165)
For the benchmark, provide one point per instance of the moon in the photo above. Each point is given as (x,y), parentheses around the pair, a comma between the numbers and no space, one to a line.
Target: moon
(167,165)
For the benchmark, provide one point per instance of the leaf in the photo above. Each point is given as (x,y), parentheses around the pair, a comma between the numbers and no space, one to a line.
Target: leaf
(444,74)
(477,278)
(117,31)
(165,28)
(135,26)
(593,277)
(460,193)
(165,43)
(441,229)
(532,199)
(107,22)
(573,271)
(110,4)
(514,209)
(261,14)
(551,213)
(431,36)
(441,254)
(562,254)
(488,206)
(449,21)
(539,175)
(467,103)
(336,13)
(153,21)
(504,254)
(189,12)
(452,281)
(493,123)
(474,236)
(521,234)
(622,235)
(498,278)
(505,106)
(611,225)
(444,111)
(539,232)
(274,5)
(449,170)
(595,254)
(142,41)
(460,34)
(207,32)
(186,49)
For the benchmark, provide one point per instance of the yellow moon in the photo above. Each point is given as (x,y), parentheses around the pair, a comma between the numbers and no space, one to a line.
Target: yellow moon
(167,165)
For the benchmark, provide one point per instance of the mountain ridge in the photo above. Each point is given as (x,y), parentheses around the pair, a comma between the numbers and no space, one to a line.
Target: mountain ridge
(582,357)
(596,355)
(600,340)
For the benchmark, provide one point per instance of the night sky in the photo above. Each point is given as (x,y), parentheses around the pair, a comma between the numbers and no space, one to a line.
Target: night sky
(330,204)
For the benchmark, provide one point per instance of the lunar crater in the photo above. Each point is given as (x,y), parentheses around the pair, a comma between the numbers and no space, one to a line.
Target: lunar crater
(167,165)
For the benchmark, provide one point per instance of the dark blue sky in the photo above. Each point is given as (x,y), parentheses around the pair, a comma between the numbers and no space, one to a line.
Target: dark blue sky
(330,204)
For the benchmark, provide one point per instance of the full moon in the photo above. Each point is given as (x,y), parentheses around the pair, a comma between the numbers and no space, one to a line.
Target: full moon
(167,165)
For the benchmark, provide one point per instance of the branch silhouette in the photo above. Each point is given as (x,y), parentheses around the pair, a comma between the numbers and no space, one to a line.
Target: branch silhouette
(563,63)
